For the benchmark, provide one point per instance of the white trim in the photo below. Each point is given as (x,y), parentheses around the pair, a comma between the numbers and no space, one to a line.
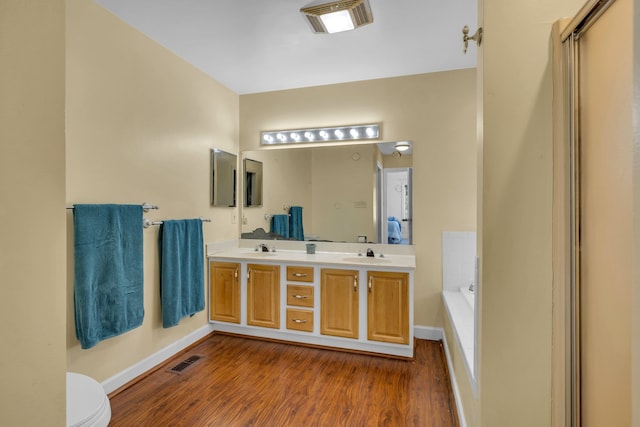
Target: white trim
(428,333)
(437,334)
(132,372)
(361,344)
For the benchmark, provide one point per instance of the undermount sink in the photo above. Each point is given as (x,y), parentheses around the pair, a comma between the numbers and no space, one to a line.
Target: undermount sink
(367,260)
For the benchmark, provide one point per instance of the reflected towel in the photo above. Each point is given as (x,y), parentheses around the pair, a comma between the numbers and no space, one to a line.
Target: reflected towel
(394,231)
(296,231)
(181,251)
(280,225)
(108,271)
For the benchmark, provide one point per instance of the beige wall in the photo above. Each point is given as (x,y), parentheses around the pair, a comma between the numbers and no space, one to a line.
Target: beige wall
(343,179)
(635,305)
(435,111)
(515,344)
(140,126)
(32,222)
(406,161)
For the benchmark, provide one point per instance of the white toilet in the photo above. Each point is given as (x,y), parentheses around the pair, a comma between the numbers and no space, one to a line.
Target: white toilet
(87,403)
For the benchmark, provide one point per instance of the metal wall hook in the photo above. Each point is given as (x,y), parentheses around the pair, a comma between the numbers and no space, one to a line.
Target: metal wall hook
(477,37)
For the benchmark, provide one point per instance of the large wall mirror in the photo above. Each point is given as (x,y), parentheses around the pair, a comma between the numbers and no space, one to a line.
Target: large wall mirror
(252,183)
(348,193)
(223,178)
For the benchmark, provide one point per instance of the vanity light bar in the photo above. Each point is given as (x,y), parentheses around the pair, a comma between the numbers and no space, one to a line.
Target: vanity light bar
(330,134)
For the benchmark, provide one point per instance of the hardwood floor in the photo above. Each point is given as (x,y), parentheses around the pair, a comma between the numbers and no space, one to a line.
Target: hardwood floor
(246,382)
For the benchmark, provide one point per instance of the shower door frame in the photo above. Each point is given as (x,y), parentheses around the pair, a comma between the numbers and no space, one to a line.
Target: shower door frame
(570,48)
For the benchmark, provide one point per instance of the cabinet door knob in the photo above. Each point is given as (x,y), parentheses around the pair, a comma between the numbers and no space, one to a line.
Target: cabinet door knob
(370,284)
(236,274)
(248,274)
(355,283)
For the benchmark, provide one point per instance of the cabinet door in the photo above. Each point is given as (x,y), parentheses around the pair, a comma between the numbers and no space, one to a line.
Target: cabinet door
(339,303)
(263,295)
(224,291)
(388,307)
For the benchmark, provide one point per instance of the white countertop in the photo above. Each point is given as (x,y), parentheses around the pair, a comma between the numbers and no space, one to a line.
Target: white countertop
(339,258)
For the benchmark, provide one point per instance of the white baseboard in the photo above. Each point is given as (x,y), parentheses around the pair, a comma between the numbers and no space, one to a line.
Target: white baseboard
(132,372)
(428,333)
(437,334)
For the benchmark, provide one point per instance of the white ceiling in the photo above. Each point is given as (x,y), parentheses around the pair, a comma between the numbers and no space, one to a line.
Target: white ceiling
(254,46)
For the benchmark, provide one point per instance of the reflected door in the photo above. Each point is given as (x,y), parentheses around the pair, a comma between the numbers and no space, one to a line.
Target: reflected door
(398,206)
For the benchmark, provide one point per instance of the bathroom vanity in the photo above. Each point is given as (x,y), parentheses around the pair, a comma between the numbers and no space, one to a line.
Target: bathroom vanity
(326,299)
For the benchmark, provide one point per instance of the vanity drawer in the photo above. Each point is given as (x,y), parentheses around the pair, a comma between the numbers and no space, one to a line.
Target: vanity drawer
(300,320)
(300,274)
(299,295)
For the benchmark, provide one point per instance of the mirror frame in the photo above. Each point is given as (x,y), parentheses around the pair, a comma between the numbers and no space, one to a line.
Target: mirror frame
(219,158)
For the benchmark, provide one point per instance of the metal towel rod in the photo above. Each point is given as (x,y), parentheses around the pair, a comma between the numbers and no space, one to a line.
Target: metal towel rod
(146,223)
(146,207)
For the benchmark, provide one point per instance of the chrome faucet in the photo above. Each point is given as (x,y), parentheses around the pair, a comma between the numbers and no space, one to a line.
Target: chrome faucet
(471,287)
(262,247)
(370,253)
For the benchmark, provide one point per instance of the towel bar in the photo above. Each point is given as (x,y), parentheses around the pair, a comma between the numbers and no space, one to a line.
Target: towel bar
(267,217)
(146,223)
(145,207)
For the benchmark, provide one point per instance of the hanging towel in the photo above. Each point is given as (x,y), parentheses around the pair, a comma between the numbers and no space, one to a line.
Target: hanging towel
(280,225)
(296,231)
(181,269)
(108,271)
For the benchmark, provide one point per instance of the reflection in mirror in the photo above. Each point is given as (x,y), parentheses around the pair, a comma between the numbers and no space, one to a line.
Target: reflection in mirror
(223,178)
(252,183)
(340,188)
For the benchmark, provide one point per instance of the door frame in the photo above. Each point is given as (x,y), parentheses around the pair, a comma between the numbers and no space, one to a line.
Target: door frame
(566,259)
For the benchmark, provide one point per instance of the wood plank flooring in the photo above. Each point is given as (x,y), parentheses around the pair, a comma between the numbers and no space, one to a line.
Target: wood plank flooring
(246,382)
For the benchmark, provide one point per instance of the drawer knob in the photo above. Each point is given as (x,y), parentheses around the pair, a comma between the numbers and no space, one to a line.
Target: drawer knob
(300,296)
(300,320)
(299,274)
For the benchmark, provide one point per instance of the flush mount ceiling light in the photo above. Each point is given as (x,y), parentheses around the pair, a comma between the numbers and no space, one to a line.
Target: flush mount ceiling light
(402,146)
(337,16)
(329,134)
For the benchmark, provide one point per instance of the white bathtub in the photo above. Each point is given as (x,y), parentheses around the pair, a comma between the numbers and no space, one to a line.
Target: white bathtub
(459,306)
(469,297)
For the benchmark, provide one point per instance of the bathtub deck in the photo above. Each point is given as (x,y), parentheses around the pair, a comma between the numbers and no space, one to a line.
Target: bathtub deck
(461,316)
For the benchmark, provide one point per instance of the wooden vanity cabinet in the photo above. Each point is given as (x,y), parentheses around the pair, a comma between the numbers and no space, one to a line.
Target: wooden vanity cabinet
(339,302)
(263,295)
(314,303)
(297,273)
(388,307)
(224,291)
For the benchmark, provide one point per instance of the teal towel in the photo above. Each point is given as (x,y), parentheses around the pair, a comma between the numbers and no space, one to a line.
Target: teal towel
(108,271)
(181,250)
(296,231)
(280,225)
